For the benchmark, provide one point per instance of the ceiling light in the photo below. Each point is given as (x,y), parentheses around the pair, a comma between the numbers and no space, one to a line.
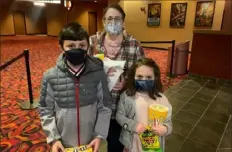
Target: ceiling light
(39,4)
(48,1)
(95,1)
(68,4)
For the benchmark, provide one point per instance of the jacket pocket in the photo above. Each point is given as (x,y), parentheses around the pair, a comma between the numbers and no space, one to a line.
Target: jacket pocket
(88,92)
(130,111)
(67,126)
(126,138)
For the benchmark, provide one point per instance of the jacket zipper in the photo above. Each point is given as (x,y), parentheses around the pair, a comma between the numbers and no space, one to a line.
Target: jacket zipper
(78,110)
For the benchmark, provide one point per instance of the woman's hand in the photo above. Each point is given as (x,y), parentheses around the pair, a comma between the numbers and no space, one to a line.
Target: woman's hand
(160,130)
(111,71)
(57,146)
(120,84)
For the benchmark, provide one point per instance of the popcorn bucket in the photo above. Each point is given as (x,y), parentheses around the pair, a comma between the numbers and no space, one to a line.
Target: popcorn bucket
(157,113)
(79,149)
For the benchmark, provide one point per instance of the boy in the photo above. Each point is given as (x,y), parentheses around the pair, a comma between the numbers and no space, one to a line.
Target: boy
(75,104)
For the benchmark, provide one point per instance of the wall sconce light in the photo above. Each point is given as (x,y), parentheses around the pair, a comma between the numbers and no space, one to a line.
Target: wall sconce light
(67,4)
(143,10)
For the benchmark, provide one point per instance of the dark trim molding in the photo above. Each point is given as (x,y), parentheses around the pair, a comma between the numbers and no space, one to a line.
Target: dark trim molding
(8,35)
(37,34)
(52,35)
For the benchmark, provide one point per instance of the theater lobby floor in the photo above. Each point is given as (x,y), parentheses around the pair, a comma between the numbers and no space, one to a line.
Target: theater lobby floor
(201,117)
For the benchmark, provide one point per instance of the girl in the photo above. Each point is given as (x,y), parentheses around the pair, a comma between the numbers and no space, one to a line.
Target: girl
(143,89)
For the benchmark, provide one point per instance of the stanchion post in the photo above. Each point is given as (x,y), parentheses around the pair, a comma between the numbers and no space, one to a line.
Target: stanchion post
(26,52)
(172,57)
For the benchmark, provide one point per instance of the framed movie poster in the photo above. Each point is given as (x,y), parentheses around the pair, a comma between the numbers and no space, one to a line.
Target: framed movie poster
(178,14)
(154,12)
(204,14)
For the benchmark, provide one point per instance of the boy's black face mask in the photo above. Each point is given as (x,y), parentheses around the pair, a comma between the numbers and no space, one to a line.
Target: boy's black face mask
(76,56)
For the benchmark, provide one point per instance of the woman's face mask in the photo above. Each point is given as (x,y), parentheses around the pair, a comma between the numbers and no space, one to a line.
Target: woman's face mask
(113,28)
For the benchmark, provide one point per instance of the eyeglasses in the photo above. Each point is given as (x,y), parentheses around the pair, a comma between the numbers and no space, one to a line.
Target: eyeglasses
(110,19)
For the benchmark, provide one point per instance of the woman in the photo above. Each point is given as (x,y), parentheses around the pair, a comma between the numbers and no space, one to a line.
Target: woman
(116,44)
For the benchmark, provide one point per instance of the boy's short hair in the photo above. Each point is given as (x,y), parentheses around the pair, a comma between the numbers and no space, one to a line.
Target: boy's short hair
(73,31)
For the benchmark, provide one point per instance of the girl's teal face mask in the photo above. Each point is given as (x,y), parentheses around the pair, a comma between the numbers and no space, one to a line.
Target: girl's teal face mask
(144,85)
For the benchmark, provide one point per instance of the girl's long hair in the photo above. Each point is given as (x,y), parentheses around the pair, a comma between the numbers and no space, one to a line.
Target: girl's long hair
(130,83)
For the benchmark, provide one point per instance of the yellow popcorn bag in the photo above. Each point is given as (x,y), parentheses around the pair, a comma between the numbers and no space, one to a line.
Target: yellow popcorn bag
(79,149)
(157,113)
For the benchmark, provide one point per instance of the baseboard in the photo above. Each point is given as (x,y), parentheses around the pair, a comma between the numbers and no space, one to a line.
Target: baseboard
(214,79)
(36,34)
(8,35)
(51,35)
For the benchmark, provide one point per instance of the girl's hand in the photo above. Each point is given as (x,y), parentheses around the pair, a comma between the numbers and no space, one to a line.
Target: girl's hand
(160,130)
(140,128)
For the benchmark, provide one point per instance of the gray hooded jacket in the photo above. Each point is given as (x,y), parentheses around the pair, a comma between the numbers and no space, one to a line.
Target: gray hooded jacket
(75,110)
(126,118)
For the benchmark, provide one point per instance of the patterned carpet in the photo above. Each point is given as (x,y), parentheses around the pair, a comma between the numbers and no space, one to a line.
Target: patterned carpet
(21,129)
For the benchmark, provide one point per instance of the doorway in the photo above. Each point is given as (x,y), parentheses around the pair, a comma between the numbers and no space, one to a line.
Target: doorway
(19,23)
(92,23)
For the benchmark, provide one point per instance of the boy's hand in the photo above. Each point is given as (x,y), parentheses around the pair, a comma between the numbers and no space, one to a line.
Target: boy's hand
(160,130)
(95,144)
(140,128)
(57,146)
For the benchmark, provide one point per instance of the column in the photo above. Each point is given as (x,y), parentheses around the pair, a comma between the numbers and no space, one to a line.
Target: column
(227,17)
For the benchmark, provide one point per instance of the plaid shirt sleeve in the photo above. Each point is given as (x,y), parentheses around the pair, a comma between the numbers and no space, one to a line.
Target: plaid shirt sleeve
(91,45)
(139,52)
